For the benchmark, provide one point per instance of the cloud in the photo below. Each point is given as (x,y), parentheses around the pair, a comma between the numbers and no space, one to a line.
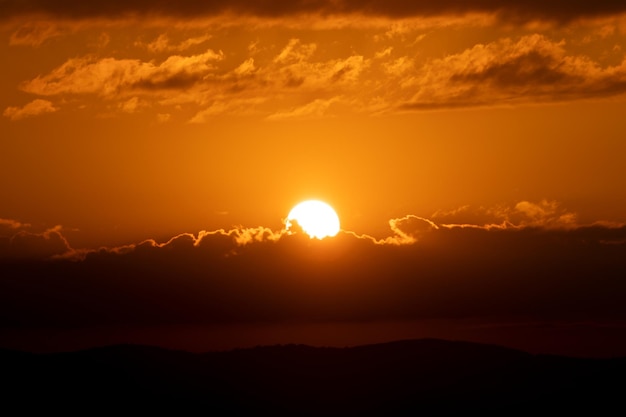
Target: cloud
(544,214)
(23,241)
(406,230)
(110,77)
(246,67)
(424,270)
(163,117)
(245,236)
(295,51)
(520,10)
(229,240)
(216,108)
(294,68)
(163,43)
(399,66)
(34,34)
(252,275)
(29,245)
(131,105)
(20,241)
(199,79)
(223,106)
(315,109)
(532,69)
(384,53)
(301,79)
(11,225)
(34,108)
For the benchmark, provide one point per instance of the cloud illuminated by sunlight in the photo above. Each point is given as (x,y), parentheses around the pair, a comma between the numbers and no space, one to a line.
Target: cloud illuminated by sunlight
(34,108)
(20,242)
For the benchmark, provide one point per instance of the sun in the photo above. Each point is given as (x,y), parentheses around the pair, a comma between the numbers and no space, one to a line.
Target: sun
(316,218)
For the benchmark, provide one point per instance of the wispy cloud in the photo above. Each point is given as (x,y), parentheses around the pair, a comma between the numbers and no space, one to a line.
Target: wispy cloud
(35,34)
(544,214)
(131,105)
(111,77)
(222,105)
(34,108)
(315,109)
(12,225)
(406,230)
(163,43)
(301,79)
(531,69)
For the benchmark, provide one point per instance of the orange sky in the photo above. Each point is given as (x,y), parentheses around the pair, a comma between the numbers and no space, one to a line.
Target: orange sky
(132,121)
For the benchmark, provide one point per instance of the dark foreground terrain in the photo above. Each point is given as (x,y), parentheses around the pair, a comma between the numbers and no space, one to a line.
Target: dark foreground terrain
(414,377)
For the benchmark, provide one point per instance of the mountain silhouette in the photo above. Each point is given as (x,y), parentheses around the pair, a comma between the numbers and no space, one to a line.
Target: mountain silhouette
(412,377)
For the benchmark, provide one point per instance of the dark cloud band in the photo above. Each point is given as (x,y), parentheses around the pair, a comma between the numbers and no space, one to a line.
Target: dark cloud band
(450,273)
(558,10)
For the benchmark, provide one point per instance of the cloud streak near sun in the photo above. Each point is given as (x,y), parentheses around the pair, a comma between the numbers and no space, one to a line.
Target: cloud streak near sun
(19,240)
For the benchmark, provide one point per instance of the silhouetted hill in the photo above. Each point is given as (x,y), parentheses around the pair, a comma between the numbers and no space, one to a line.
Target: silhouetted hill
(413,377)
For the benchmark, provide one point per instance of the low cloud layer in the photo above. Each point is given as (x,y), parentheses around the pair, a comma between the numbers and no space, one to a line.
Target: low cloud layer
(424,270)
(544,214)
(20,240)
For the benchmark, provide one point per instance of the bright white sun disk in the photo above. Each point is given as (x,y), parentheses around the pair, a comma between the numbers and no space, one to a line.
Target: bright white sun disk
(316,218)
